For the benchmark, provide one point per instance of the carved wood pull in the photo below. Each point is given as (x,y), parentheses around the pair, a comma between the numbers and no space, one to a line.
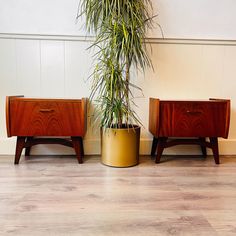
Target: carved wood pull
(46,110)
(194,112)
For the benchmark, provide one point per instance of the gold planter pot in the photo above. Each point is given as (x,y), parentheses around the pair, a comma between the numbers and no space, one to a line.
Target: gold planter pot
(120,147)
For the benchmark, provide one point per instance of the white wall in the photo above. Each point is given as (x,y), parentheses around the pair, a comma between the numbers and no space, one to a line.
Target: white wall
(58,66)
(197,19)
(201,19)
(39,17)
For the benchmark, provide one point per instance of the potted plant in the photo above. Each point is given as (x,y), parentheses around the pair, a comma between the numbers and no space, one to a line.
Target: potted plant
(119,27)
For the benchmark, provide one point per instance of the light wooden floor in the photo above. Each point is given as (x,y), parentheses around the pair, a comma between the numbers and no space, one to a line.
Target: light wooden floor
(56,196)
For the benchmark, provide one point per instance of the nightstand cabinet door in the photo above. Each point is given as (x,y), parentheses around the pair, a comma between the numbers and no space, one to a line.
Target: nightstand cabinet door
(46,117)
(192,119)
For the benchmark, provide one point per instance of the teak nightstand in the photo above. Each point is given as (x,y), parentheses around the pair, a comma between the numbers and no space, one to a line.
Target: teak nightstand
(30,118)
(189,121)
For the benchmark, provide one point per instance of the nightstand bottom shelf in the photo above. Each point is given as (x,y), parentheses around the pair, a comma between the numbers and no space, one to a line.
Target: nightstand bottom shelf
(28,141)
(160,143)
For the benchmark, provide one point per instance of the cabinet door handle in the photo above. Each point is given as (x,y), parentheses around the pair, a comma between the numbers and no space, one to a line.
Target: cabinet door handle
(46,110)
(193,112)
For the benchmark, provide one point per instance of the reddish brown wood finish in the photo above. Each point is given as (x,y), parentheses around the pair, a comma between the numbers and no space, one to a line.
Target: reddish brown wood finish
(8,98)
(199,119)
(46,117)
(154,117)
(30,117)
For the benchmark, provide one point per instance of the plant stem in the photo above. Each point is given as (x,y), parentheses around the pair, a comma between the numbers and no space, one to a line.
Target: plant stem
(127,88)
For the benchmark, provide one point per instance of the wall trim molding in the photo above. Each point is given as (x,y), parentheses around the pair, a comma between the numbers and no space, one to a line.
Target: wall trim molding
(47,37)
(84,38)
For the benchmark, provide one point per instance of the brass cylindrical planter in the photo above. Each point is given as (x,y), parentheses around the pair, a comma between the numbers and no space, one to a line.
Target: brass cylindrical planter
(120,147)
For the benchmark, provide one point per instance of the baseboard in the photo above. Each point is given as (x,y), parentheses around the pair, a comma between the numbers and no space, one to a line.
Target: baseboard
(92,147)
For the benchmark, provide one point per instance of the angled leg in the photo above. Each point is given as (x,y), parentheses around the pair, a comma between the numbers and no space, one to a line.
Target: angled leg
(82,146)
(78,146)
(154,146)
(215,149)
(20,144)
(27,149)
(203,148)
(160,148)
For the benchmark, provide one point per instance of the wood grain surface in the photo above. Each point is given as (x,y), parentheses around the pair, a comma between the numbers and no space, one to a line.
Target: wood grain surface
(46,117)
(193,119)
(196,120)
(189,118)
(54,196)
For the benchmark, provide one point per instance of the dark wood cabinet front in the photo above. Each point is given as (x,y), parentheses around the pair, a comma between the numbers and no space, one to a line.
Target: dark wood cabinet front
(30,118)
(46,118)
(192,119)
(188,119)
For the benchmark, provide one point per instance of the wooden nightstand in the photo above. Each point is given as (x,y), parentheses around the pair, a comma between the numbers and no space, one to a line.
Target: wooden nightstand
(30,118)
(187,120)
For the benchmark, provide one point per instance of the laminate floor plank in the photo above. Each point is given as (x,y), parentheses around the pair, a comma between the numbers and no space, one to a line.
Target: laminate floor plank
(53,195)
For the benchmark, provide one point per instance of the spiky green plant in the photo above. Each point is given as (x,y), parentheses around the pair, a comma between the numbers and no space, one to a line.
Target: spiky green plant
(120,27)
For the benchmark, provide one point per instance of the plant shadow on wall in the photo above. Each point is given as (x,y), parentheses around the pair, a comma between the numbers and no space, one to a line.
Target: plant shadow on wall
(120,27)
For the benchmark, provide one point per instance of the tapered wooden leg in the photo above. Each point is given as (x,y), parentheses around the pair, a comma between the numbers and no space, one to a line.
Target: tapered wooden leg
(20,143)
(78,146)
(82,146)
(160,147)
(27,149)
(203,147)
(215,149)
(154,146)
